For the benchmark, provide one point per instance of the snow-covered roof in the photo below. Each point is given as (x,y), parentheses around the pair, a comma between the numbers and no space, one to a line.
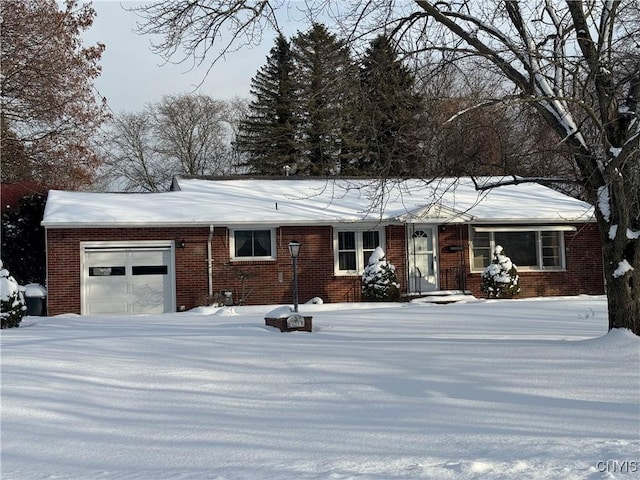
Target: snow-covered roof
(310,201)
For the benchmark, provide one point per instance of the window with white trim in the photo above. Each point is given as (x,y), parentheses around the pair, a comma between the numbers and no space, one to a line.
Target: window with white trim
(353,247)
(530,248)
(258,244)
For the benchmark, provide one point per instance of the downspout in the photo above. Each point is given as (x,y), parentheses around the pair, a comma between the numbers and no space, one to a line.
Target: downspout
(210,263)
(46,270)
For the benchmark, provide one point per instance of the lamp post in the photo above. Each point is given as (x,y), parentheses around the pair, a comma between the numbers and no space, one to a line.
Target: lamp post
(294,250)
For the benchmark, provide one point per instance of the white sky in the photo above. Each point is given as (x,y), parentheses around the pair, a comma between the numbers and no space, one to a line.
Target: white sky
(133,76)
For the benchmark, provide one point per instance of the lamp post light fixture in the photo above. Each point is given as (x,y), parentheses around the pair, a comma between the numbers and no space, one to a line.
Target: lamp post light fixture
(288,321)
(294,250)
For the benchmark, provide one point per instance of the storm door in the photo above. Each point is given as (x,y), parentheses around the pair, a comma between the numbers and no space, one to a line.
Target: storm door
(423,266)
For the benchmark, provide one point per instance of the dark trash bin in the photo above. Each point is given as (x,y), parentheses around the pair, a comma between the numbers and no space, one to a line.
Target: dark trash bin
(35,296)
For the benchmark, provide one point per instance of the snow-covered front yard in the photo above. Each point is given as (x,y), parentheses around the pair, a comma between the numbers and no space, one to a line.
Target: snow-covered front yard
(501,389)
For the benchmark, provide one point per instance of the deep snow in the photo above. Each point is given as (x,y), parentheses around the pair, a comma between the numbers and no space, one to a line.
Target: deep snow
(491,389)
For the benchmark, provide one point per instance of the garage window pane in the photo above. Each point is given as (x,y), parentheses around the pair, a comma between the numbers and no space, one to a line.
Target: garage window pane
(106,271)
(149,270)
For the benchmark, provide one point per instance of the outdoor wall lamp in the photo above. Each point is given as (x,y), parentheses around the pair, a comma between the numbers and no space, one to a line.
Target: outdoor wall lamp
(294,250)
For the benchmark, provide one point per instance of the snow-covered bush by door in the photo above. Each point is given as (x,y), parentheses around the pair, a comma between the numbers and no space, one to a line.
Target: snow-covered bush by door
(12,305)
(500,279)
(379,281)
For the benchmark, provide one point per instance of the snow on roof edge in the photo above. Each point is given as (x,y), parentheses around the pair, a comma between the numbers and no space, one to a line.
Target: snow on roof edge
(246,201)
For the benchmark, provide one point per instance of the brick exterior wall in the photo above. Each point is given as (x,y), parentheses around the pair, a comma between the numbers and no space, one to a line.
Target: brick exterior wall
(583,253)
(270,282)
(63,262)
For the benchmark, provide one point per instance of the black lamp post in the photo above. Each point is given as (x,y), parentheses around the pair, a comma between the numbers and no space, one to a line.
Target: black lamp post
(294,250)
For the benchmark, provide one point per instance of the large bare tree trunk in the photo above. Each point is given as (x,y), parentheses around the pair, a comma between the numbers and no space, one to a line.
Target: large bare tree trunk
(623,292)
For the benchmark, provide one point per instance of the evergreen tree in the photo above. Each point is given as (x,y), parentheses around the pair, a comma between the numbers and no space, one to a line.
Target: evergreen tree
(379,282)
(12,304)
(500,278)
(389,126)
(267,135)
(325,77)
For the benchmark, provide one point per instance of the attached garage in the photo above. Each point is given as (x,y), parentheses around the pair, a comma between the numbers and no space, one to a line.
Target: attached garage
(133,278)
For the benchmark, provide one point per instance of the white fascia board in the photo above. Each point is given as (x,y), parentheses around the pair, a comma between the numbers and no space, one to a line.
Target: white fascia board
(526,228)
(531,221)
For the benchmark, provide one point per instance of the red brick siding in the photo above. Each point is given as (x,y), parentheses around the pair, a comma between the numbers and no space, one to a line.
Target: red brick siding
(251,282)
(453,266)
(316,277)
(270,282)
(63,262)
(396,252)
(584,273)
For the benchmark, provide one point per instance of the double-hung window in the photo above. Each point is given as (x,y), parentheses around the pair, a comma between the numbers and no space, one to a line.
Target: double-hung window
(530,248)
(258,244)
(353,247)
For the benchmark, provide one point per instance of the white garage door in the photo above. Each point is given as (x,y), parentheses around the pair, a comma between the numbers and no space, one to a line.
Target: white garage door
(127,280)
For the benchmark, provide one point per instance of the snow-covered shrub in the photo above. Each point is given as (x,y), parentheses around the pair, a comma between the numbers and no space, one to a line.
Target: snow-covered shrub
(379,280)
(500,278)
(12,305)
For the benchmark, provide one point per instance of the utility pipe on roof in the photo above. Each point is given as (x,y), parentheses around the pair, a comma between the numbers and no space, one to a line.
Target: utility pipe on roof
(210,263)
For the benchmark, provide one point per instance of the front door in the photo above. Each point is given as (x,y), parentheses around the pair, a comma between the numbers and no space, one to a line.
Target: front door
(423,266)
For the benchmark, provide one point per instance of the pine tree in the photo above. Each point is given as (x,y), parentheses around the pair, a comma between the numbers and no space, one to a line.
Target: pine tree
(325,77)
(500,278)
(389,126)
(12,304)
(267,136)
(379,282)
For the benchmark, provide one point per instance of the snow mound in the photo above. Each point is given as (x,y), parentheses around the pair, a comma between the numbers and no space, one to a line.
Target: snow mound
(226,311)
(280,312)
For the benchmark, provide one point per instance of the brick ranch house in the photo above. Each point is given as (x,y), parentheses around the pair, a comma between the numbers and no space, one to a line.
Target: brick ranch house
(207,238)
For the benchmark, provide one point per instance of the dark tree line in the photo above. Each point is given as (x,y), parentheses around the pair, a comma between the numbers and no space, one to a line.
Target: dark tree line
(319,112)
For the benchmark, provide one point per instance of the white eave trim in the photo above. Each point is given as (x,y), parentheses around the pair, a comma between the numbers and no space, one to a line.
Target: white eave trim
(323,223)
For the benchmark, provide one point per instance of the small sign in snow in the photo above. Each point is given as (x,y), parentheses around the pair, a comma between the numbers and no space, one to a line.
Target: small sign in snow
(295,321)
